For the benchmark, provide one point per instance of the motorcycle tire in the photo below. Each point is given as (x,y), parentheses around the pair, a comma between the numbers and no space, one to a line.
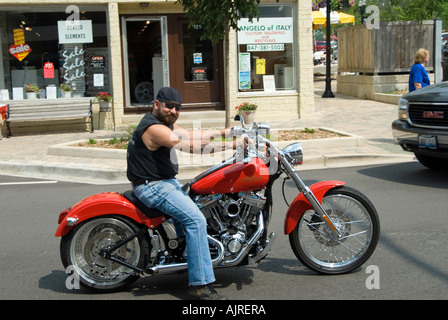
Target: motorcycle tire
(322,250)
(80,249)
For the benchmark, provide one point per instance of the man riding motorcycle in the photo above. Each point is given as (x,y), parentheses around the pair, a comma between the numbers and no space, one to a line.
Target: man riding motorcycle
(152,172)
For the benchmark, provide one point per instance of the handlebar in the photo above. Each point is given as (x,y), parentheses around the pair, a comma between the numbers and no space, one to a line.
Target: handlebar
(293,154)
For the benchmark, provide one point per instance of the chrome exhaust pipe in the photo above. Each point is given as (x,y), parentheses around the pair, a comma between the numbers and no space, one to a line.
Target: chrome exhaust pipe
(263,253)
(176,267)
(218,262)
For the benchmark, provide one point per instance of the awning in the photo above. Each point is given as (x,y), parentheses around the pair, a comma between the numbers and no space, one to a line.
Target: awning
(320,18)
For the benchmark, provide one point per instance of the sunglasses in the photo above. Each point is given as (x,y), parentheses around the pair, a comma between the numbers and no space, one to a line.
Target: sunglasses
(173,105)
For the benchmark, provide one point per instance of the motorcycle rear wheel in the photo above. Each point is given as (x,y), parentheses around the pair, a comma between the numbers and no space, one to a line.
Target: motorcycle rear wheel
(321,250)
(81,247)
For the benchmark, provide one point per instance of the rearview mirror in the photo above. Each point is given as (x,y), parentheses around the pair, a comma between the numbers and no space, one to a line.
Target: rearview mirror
(240,118)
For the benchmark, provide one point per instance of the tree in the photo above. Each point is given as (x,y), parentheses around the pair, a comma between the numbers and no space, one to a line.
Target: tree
(217,16)
(336,5)
(417,10)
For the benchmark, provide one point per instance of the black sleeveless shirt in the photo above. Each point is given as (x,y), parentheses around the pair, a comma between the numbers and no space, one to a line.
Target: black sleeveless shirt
(144,164)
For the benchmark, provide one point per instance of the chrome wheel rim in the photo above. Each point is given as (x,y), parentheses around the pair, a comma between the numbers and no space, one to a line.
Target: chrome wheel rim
(96,235)
(322,246)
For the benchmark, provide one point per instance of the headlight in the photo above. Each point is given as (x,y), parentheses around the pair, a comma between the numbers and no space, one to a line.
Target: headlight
(294,152)
(403,109)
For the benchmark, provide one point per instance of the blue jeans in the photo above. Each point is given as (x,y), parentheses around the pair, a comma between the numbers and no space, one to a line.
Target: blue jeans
(168,197)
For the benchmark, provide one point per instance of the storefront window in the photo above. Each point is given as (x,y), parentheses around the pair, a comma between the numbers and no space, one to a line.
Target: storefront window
(266,50)
(55,50)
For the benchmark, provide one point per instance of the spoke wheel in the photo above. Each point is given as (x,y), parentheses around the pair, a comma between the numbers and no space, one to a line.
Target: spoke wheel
(144,92)
(319,248)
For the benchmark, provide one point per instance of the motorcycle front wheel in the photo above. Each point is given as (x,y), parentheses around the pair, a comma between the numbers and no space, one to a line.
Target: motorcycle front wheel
(319,248)
(81,248)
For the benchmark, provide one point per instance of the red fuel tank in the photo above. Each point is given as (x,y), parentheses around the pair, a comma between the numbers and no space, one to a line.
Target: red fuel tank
(236,177)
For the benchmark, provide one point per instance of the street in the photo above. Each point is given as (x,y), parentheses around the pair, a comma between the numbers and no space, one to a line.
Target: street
(409,262)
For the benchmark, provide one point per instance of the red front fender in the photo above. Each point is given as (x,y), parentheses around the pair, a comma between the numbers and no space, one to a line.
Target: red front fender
(300,204)
(105,203)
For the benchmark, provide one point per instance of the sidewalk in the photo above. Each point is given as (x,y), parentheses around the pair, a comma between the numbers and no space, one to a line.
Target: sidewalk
(368,121)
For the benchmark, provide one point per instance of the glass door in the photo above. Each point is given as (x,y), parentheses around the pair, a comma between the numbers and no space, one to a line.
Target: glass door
(145,58)
(202,79)
(196,66)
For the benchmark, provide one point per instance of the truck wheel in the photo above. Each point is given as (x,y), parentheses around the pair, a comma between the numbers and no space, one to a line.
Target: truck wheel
(431,162)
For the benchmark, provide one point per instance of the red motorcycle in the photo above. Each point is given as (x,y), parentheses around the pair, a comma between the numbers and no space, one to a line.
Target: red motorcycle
(112,239)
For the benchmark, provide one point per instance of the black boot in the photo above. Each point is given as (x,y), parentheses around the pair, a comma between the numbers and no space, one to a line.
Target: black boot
(206,292)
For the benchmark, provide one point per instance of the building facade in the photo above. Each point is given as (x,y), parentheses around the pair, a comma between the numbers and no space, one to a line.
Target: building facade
(132,48)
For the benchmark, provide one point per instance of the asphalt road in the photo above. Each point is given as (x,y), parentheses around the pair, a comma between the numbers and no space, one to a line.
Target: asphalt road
(410,261)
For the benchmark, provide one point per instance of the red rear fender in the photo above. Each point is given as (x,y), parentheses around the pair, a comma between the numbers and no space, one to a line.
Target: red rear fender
(300,204)
(106,203)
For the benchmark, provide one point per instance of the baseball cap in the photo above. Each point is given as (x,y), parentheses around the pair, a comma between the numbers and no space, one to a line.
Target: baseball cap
(170,95)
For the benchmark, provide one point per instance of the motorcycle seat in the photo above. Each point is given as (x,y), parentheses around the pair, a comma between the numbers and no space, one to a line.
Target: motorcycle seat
(186,188)
(149,212)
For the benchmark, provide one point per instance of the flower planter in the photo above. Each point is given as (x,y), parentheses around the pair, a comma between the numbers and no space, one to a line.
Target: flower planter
(67,94)
(104,106)
(31,95)
(248,116)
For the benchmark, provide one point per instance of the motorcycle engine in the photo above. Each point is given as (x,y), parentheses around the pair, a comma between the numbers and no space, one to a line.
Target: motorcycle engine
(231,217)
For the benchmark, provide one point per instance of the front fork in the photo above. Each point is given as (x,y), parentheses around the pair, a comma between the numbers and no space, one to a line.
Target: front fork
(309,195)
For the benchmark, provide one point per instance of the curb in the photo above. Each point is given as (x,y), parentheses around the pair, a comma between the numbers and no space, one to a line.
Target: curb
(68,149)
(64,173)
(316,156)
(118,176)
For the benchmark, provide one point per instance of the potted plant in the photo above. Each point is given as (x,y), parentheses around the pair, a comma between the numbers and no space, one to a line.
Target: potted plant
(104,98)
(66,90)
(247,111)
(31,90)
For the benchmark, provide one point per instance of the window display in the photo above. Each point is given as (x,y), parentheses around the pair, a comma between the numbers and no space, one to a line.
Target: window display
(266,50)
(59,51)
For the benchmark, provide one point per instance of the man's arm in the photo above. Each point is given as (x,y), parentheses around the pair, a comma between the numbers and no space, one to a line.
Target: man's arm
(195,141)
(200,134)
(158,135)
(192,141)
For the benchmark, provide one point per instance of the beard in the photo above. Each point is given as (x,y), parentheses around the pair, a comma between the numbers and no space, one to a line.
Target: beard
(167,118)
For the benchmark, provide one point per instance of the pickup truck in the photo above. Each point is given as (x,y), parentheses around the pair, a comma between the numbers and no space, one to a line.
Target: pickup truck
(422,125)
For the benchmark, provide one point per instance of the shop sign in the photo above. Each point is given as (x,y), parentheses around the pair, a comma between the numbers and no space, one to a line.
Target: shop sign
(266,47)
(199,73)
(73,64)
(265,30)
(48,70)
(197,58)
(75,31)
(97,61)
(244,71)
(19,49)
